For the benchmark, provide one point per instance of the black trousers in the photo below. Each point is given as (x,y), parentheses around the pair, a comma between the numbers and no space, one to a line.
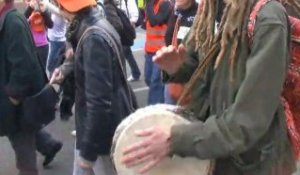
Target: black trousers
(44,142)
(25,145)
(43,55)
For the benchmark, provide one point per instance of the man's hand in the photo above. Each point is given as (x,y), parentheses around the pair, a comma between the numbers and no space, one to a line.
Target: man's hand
(151,151)
(57,77)
(133,25)
(84,165)
(69,53)
(170,58)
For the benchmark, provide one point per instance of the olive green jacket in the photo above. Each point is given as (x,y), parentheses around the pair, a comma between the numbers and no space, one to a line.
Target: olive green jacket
(241,123)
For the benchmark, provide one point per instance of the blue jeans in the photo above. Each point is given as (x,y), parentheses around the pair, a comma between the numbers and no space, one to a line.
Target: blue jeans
(135,71)
(153,81)
(53,58)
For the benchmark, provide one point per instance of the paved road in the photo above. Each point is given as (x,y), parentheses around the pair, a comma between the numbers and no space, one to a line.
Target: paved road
(63,163)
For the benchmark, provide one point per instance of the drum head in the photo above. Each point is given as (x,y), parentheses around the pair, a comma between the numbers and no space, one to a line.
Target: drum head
(158,115)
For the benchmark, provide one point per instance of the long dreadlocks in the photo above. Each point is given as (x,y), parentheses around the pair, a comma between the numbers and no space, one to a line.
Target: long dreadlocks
(229,36)
(230,31)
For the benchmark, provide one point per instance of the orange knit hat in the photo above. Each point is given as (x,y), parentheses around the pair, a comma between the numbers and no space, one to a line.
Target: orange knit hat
(76,5)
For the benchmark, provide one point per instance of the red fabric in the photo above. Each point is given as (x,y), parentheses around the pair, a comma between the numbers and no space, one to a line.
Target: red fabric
(295,28)
(291,91)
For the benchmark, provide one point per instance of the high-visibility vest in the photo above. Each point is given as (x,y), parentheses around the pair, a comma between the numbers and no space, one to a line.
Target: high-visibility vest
(155,35)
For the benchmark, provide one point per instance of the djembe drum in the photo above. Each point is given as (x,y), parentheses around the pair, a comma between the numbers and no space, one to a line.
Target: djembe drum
(163,116)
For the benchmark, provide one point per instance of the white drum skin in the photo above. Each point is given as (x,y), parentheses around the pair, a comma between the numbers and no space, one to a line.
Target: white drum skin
(164,117)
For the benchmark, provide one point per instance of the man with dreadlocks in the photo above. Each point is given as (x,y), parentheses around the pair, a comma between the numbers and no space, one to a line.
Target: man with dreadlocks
(236,87)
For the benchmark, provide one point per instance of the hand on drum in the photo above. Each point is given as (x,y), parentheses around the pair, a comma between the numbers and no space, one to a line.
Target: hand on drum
(170,58)
(84,165)
(151,151)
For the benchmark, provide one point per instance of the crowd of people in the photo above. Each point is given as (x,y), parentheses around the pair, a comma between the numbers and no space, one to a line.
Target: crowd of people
(202,55)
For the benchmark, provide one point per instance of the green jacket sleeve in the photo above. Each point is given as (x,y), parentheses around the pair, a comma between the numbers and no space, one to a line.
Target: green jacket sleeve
(252,112)
(25,74)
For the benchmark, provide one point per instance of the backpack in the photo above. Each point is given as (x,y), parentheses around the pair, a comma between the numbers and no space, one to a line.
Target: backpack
(128,34)
(291,92)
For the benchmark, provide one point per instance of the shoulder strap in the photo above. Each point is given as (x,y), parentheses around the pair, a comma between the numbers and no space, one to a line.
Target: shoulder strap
(252,19)
(110,34)
(114,41)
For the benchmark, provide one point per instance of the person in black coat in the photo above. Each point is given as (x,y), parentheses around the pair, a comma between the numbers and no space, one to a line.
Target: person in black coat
(21,76)
(102,94)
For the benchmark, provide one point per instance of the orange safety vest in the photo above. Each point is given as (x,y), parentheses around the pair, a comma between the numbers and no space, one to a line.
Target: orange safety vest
(155,35)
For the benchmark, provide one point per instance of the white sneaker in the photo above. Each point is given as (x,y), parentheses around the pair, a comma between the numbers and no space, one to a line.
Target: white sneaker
(73,133)
(131,79)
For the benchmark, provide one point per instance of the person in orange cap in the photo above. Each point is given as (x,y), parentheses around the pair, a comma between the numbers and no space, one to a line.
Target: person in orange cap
(103,97)
(73,7)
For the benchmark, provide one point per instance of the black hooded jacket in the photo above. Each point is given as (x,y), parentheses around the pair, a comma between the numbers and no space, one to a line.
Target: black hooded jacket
(101,95)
